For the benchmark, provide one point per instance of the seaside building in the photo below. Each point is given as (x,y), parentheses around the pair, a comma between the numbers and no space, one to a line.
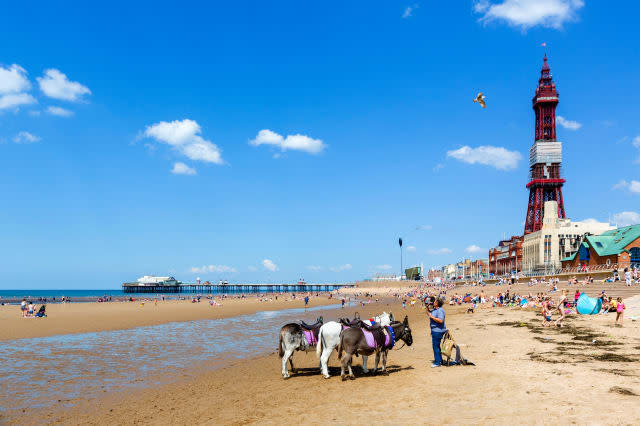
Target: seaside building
(619,247)
(545,156)
(157,281)
(479,269)
(506,257)
(432,274)
(449,271)
(543,250)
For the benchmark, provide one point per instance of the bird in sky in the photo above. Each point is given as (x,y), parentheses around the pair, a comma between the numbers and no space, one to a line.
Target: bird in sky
(480,99)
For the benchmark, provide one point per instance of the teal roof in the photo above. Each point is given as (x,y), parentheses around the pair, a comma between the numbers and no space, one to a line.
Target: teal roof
(573,256)
(614,241)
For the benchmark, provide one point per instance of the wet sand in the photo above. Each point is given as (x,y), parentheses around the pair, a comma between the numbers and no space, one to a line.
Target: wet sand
(88,317)
(586,372)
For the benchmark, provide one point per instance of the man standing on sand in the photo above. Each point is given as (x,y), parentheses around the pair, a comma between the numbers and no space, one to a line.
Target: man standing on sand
(306,301)
(438,328)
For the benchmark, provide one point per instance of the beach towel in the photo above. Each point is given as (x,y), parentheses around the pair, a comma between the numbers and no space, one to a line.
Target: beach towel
(588,305)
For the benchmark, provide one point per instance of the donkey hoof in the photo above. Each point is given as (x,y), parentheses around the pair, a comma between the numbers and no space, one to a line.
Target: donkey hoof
(294,371)
(344,378)
(327,377)
(385,373)
(352,377)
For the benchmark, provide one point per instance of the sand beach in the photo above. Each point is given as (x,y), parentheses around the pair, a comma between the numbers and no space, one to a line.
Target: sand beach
(585,372)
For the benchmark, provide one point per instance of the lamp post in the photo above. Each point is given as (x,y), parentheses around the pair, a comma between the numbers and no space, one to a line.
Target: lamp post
(400,244)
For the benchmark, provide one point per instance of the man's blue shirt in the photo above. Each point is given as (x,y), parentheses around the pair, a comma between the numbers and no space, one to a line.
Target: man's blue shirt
(440,328)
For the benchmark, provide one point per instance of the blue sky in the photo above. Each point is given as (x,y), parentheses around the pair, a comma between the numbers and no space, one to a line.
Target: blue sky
(268,142)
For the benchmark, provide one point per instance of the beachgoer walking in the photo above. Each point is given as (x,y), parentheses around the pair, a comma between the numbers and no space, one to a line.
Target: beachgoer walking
(343,303)
(23,308)
(438,328)
(619,311)
(561,306)
(306,301)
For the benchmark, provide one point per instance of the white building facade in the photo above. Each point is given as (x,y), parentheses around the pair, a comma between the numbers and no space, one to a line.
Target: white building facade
(543,250)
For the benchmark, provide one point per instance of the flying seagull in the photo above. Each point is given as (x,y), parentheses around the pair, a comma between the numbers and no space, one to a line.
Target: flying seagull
(480,99)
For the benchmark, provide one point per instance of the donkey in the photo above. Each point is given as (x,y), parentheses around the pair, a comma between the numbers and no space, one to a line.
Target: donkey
(353,341)
(329,338)
(296,337)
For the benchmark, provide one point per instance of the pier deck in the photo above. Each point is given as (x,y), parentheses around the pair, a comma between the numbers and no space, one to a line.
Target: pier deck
(229,288)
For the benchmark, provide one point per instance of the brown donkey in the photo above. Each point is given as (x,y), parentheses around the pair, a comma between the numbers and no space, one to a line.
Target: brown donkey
(354,341)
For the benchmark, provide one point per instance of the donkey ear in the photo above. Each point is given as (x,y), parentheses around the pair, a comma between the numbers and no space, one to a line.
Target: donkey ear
(406,319)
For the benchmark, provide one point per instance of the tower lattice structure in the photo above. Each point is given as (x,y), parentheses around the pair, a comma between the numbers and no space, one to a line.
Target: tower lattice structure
(545,156)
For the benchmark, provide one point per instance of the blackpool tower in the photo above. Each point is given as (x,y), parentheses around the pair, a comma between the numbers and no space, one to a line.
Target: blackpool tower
(545,156)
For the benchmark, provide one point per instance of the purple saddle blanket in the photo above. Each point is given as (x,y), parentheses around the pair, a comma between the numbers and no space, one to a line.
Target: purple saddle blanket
(371,342)
(311,338)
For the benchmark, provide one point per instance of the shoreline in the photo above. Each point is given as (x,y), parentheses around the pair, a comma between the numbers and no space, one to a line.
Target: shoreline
(74,318)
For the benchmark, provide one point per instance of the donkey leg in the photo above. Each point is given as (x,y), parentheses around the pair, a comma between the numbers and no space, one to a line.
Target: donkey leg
(293,369)
(344,362)
(324,362)
(384,363)
(364,364)
(351,375)
(287,354)
(375,369)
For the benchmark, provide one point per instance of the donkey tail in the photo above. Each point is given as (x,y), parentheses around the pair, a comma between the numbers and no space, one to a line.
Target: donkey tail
(281,347)
(340,347)
(319,344)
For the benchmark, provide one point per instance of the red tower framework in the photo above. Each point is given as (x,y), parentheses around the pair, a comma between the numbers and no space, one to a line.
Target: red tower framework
(545,156)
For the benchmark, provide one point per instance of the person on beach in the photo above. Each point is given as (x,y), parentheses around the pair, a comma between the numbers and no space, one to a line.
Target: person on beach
(31,309)
(306,301)
(23,308)
(619,311)
(562,300)
(576,296)
(438,328)
(627,277)
(546,312)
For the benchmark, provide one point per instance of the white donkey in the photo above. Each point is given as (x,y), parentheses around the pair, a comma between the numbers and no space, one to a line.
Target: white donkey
(329,338)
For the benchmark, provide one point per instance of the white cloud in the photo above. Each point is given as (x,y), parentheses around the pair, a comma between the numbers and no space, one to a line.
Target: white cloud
(26,137)
(341,268)
(443,250)
(60,112)
(56,85)
(314,268)
(182,169)
(384,267)
(13,79)
(633,186)
(474,249)
(568,124)
(411,248)
(15,100)
(498,157)
(424,228)
(626,218)
(213,268)
(269,265)
(184,137)
(529,13)
(636,142)
(291,142)
(34,113)
(408,12)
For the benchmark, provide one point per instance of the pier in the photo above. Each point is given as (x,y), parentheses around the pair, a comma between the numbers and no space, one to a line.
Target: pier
(228,288)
